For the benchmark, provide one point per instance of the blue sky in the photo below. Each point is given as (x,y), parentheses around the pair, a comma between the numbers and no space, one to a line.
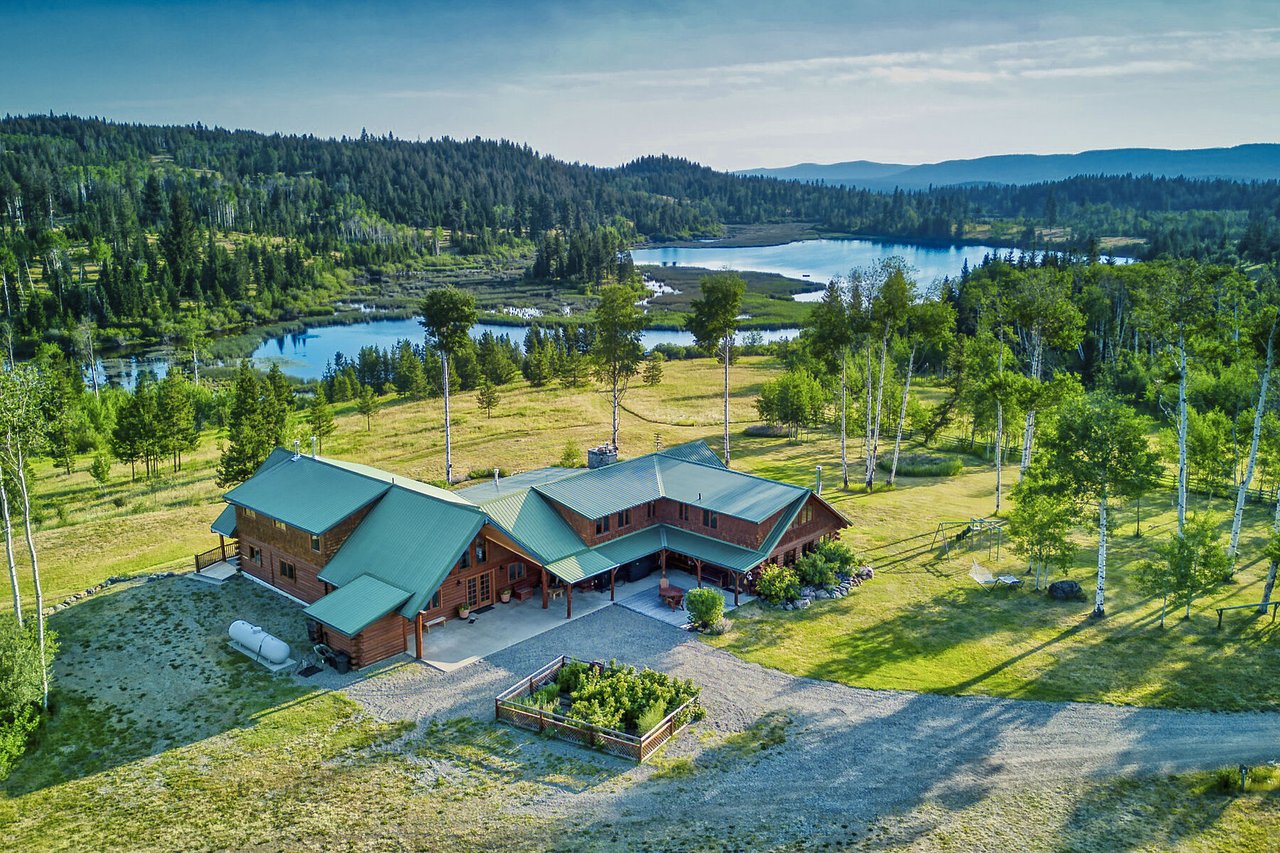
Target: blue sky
(730,84)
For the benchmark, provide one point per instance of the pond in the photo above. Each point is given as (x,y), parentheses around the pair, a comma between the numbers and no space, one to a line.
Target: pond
(305,354)
(819,261)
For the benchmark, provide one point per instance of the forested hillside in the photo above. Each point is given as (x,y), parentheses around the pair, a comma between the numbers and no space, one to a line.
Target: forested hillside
(146,232)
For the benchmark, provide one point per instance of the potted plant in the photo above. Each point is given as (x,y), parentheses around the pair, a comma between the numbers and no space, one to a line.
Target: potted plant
(505,595)
(464,610)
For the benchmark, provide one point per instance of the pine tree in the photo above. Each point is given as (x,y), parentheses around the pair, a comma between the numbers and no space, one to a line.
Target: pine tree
(367,405)
(653,369)
(248,442)
(320,418)
(487,397)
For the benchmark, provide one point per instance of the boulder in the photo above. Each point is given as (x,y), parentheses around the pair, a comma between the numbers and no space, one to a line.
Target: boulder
(1066,591)
(822,593)
(803,603)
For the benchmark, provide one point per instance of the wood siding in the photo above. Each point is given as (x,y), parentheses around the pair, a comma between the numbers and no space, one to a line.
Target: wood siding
(389,636)
(453,590)
(823,523)
(294,546)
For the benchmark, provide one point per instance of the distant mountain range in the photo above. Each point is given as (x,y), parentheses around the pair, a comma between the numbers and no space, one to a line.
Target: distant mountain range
(1257,162)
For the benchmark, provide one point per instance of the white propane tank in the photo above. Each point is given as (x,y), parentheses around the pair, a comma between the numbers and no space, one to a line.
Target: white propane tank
(259,642)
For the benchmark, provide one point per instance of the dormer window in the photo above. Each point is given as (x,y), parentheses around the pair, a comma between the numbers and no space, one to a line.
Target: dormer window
(279,524)
(710,519)
(624,518)
(602,525)
(315,544)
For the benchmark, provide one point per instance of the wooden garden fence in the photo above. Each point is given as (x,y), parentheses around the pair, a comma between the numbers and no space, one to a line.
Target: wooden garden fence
(635,747)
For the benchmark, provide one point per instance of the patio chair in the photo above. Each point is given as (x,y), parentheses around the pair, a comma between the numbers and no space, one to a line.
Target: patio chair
(987,581)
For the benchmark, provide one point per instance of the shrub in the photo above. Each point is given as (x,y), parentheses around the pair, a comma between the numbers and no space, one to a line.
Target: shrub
(571,675)
(571,456)
(20,688)
(618,696)
(839,555)
(652,715)
(923,465)
(778,583)
(814,570)
(705,606)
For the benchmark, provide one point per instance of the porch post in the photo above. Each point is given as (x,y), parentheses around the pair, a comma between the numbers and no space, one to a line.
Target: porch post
(737,582)
(662,562)
(417,634)
(544,587)
(697,569)
(222,543)
(612,575)
(568,602)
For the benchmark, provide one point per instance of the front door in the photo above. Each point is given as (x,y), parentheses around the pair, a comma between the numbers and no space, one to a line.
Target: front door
(480,590)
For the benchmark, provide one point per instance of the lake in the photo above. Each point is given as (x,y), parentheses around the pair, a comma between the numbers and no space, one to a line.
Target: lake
(819,261)
(305,354)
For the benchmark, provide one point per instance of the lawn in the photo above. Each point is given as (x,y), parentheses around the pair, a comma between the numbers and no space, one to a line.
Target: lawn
(921,626)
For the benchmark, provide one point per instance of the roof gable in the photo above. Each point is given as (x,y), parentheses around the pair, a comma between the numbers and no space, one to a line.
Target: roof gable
(534,524)
(693,451)
(409,540)
(357,605)
(306,493)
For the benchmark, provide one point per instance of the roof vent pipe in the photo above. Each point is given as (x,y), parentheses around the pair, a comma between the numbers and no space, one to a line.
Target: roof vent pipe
(818,481)
(297,448)
(313,447)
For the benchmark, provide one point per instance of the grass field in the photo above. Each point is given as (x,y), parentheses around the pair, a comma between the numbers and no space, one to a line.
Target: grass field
(235,758)
(923,625)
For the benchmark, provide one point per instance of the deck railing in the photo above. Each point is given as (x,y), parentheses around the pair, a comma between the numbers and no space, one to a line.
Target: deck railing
(636,747)
(215,555)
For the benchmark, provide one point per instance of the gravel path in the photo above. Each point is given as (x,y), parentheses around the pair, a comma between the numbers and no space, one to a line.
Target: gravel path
(849,752)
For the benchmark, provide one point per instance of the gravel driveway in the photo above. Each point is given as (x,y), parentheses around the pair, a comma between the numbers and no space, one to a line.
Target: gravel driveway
(853,753)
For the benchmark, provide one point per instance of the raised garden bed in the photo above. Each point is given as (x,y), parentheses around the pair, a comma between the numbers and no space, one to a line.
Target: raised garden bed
(610,707)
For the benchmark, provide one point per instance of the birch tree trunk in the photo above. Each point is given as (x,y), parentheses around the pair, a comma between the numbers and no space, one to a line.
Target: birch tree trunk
(728,341)
(1271,569)
(1098,609)
(448,442)
(1182,433)
(999,424)
(16,448)
(613,436)
(866,444)
(8,552)
(1029,430)
(1243,491)
(902,415)
(875,433)
(844,420)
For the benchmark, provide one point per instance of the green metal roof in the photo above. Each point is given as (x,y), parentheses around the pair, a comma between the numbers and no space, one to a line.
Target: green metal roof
(395,479)
(310,494)
(633,546)
(775,536)
(410,541)
(534,525)
(712,550)
(484,491)
(600,491)
(225,523)
(680,477)
(693,451)
(580,566)
(351,608)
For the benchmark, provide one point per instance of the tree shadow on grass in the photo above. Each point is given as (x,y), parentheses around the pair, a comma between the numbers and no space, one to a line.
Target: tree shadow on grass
(145,668)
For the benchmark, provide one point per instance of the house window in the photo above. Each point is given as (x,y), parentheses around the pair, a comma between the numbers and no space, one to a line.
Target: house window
(515,572)
(288,570)
(710,519)
(684,512)
(602,525)
(482,550)
(434,602)
(255,554)
(248,513)
(315,544)
(624,518)
(465,562)
(651,509)
(808,547)
(789,558)
(278,523)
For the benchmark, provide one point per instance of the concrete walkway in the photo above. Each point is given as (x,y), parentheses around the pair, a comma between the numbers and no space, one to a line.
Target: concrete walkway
(642,597)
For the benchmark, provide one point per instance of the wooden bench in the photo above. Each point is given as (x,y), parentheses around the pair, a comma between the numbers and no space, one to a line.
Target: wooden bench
(1273,605)
(523,593)
(426,626)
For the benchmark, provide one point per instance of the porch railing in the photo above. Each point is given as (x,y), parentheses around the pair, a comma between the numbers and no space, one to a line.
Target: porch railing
(215,555)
